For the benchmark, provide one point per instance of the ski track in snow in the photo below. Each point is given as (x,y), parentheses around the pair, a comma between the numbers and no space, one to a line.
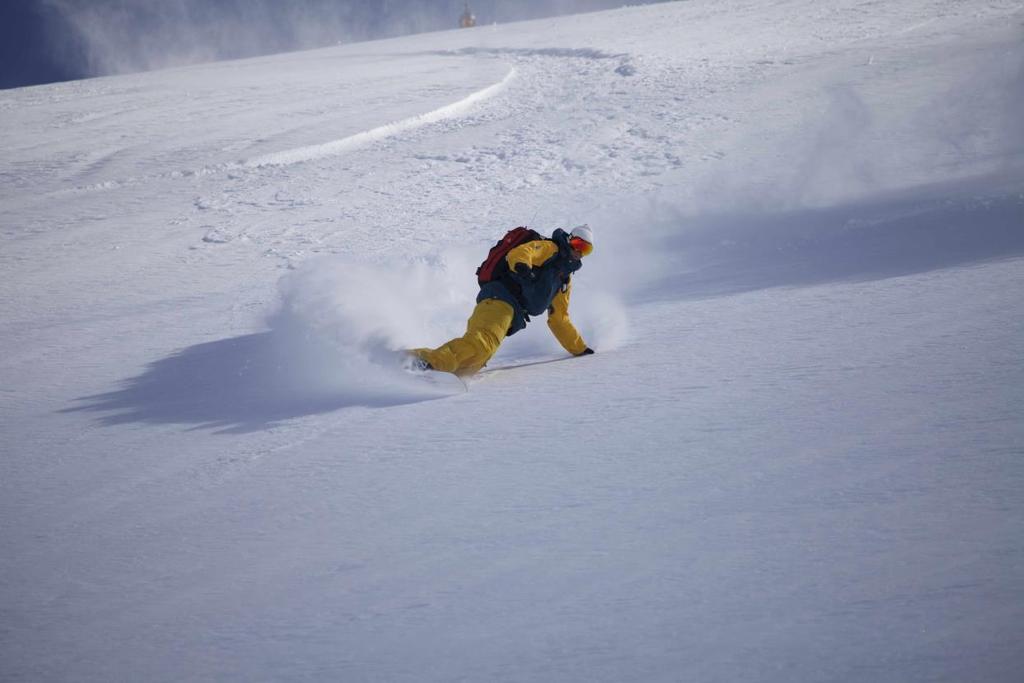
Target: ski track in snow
(317,151)
(345,144)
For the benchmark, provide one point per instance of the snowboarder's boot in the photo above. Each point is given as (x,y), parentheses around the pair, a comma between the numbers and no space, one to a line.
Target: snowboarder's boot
(415,363)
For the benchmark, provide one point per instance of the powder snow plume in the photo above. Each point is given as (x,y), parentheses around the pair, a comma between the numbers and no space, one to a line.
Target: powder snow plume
(342,322)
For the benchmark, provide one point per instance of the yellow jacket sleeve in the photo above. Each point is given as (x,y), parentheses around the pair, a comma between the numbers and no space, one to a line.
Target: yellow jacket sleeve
(563,329)
(533,254)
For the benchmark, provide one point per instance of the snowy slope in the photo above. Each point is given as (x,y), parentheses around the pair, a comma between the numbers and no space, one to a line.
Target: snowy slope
(795,456)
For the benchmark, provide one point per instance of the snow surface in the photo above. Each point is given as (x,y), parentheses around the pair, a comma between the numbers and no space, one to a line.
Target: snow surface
(797,454)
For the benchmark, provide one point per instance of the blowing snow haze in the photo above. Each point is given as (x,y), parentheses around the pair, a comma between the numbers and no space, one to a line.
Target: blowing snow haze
(58,40)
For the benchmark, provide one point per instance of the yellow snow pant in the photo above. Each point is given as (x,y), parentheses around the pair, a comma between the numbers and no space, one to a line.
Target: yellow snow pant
(484,333)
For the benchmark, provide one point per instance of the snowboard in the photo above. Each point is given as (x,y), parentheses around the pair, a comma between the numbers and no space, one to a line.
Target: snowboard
(514,365)
(448,380)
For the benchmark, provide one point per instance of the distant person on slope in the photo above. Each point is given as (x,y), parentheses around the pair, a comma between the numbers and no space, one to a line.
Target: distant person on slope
(525,274)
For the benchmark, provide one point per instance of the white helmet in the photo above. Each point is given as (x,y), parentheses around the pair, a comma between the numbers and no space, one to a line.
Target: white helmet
(583,232)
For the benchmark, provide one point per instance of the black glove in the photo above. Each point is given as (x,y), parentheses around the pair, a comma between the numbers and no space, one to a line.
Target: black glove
(586,352)
(525,272)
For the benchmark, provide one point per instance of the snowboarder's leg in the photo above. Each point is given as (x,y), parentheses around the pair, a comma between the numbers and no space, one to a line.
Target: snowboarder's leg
(484,333)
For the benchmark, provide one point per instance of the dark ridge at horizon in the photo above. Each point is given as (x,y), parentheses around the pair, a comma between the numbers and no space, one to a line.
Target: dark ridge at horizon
(47,41)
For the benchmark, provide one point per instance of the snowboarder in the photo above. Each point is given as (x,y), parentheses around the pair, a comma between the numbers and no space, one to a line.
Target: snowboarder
(468,19)
(528,279)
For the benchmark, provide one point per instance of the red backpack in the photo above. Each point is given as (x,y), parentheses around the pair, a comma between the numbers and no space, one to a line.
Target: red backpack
(495,265)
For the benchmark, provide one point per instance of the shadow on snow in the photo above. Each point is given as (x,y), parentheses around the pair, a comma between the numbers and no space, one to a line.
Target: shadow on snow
(880,238)
(239,385)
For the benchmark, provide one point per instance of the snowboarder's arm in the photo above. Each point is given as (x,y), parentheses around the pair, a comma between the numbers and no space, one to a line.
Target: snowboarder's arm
(563,329)
(531,254)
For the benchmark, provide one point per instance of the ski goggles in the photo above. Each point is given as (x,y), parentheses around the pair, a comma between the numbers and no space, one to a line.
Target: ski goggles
(581,245)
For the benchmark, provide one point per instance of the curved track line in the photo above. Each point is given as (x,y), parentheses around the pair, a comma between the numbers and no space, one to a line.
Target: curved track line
(299,154)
